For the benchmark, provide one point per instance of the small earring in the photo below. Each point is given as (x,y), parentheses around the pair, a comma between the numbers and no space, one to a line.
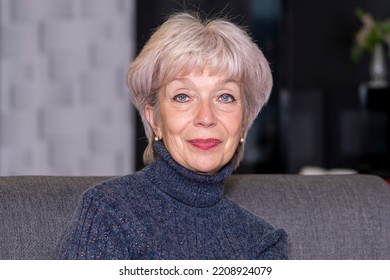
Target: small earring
(242,140)
(156,138)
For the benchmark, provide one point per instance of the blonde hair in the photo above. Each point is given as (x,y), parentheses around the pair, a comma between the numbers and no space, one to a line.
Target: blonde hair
(185,43)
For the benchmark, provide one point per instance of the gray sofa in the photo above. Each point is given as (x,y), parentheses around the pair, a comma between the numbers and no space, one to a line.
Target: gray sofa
(326,217)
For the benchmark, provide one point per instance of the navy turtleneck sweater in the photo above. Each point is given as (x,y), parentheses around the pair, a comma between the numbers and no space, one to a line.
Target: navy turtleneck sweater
(166,211)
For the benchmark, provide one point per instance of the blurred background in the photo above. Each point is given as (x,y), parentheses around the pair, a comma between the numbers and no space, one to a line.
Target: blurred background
(65,109)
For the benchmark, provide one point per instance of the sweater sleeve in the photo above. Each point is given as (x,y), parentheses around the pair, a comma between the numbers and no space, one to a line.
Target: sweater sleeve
(95,233)
(273,246)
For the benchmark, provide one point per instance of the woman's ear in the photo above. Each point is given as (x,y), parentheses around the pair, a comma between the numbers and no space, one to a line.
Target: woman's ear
(150,116)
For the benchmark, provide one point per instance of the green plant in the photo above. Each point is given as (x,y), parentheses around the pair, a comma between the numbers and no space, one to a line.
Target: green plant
(371,33)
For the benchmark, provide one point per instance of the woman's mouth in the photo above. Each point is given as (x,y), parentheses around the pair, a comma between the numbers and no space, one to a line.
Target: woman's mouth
(204,143)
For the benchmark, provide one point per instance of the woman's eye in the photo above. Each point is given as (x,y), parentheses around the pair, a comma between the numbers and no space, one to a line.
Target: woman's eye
(181,97)
(226,98)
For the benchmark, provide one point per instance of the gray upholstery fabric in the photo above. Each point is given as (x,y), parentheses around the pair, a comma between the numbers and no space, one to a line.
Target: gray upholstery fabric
(326,217)
(34,212)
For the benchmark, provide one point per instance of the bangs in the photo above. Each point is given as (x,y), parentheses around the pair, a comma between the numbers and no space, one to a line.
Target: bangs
(206,51)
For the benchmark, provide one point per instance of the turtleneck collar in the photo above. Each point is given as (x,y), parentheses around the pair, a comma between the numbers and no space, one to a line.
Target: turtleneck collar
(184,185)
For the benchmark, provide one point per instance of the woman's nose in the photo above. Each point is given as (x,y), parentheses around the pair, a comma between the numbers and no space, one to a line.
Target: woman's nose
(205,115)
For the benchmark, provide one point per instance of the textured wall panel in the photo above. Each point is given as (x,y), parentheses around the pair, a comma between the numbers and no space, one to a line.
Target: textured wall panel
(64,105)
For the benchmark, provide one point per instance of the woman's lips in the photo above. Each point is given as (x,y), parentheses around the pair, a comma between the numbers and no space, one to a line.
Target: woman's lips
(204,144)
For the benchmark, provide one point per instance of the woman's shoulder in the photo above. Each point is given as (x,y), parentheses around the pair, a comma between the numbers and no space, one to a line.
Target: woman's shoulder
(114,191)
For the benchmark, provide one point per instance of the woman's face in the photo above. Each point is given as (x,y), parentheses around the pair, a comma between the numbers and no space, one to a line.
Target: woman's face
(200,120)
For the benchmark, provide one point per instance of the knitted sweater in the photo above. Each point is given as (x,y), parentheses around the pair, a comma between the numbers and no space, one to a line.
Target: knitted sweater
(166,211)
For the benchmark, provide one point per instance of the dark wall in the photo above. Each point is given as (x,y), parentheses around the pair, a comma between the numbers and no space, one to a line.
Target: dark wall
(315,56)
(151,13)
(309,50)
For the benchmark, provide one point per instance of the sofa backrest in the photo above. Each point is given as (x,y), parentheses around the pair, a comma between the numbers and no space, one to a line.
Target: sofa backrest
(34,211)
(326,217)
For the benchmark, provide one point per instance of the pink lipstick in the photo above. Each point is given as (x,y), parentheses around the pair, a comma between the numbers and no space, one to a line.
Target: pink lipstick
(204,144)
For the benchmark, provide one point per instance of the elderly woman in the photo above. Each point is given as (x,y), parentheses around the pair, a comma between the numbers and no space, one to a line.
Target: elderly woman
(198,85)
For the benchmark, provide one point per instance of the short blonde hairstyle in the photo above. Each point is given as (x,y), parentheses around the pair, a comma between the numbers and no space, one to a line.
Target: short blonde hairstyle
(185,43)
